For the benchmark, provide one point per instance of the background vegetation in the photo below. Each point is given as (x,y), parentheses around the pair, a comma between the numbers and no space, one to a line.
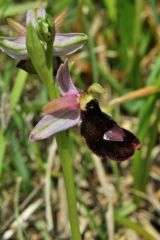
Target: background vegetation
(115,201)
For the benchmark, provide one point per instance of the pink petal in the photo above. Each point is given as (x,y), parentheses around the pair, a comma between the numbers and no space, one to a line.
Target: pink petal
(115,134)
(53,123)
(64,80)
(67,102)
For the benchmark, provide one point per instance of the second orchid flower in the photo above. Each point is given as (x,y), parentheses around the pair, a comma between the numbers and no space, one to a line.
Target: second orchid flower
(64,43)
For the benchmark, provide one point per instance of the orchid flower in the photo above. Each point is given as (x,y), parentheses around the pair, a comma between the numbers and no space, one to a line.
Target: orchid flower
(61,113)
(64,43)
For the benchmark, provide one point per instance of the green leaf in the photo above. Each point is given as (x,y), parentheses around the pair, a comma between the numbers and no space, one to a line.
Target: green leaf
(18,87)
(3,144)
(125,222)
(19,161)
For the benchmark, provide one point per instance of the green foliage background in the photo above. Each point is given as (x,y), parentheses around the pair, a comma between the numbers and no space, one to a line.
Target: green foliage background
(122,54)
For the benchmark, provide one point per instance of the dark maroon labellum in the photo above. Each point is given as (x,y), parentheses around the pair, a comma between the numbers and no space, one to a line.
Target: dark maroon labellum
(103,135)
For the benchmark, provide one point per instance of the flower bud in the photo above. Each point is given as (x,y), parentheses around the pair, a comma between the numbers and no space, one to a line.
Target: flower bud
(45,29)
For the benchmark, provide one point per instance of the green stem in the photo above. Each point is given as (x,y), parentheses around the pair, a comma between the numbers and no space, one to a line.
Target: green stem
(49,62)
(63,146)
(63,149)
